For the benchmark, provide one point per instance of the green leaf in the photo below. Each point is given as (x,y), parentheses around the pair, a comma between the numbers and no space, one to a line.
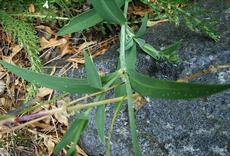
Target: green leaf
(93,77)
(143,27)
(132,120)
(172,48)
(108,77)
(83,120)
(71,85)
(170,89)
(72,151)
(129,43)
(170,53)
(81,22)
(119,91)
(100,120)
(148,48)
(100,113)
(73,133)
(82,123)
(131,57)
(109,11)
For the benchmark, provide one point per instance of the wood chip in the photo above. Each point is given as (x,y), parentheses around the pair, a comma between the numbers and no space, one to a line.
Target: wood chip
(2,86)
(42,92)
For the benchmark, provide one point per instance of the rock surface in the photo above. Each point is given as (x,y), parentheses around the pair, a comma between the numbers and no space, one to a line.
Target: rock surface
(175,128)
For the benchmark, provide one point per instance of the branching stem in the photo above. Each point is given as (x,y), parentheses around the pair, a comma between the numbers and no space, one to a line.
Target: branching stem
(125,78)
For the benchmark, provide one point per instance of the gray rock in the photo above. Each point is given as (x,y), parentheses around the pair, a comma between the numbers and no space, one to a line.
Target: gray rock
(175,128)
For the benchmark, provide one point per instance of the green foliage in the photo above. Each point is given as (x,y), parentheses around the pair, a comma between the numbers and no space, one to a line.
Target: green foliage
(109,11)
(25,35)
(149,49)
(71,85)
(100,120)
(55,8)
(170,89)
(169,9)
(170,53)
(94,80)
(143,27)
(81,22)
(126,76)
(74,132)
(93,77)
(85,20)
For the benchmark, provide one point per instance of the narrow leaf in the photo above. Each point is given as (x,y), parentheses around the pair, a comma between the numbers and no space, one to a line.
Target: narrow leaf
(71,85)
(132,120)
(81,22)
(81,126)
(148,48)
(109,11)
(100,120)
(84,21)
(73,133)
(170,89)
(143,27)
(120,90)
(108,77)
(172,48)
(170,53)
(131,57)
(129,43)
(93,77)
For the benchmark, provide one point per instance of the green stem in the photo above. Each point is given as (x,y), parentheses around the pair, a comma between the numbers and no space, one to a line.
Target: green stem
(122,49)
(93,94)
(40,16)
(94,104)
(117,111)
(125,78)
(91,105)
(122,39)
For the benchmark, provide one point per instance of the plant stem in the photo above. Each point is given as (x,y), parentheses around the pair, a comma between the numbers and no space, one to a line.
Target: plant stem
(117,111)
(125,78)
(122,49)
(97,103)
(41,16)
(122,39)
(90,95)
(23,125)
